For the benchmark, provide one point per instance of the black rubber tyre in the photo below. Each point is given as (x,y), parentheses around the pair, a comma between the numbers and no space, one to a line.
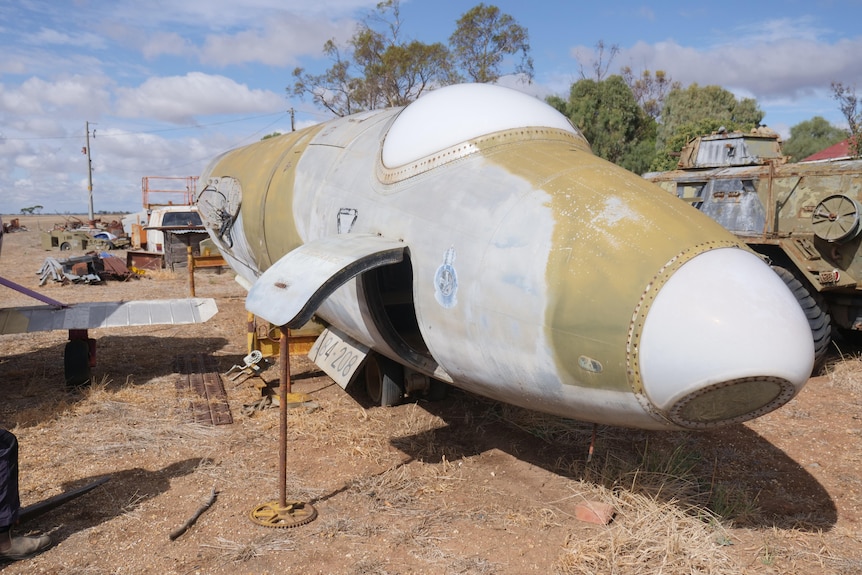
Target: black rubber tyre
(76,362)
(65,246)
(815,310)
(384,380)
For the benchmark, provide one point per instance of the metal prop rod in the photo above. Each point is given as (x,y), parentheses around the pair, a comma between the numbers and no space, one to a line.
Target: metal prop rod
(190,259)
(283,390)
(33,294)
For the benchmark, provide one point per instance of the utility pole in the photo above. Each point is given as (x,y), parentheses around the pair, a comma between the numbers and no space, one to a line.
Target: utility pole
(292,120)
(90,175)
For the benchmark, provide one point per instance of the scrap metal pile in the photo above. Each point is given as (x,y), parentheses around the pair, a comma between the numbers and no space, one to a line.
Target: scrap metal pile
(90,269)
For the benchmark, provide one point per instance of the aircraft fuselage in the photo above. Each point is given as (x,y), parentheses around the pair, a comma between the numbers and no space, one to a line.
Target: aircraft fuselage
(533,272)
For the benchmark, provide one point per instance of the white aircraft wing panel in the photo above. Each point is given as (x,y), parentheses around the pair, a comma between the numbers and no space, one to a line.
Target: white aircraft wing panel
(93,315)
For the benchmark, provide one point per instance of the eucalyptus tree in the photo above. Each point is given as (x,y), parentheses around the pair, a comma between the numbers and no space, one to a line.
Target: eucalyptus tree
(850,107)
(380,68)
(811,136)
(484,38)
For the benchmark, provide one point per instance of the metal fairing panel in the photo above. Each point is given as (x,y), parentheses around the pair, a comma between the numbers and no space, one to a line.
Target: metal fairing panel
(107,314)
(289,292)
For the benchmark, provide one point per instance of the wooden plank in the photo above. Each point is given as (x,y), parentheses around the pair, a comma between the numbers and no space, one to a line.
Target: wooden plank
(209,261)
(200,379)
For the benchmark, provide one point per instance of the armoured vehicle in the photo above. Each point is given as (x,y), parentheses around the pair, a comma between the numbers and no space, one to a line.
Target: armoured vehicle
(802,217)
(79,239)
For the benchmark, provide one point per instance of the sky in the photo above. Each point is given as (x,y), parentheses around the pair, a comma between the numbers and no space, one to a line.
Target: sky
(166,85)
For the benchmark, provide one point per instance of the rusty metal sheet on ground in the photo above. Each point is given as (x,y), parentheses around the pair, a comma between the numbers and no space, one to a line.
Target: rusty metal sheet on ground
(198,373)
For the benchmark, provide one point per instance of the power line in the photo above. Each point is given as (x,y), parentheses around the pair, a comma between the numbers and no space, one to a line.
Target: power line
(155,131)
(238,142)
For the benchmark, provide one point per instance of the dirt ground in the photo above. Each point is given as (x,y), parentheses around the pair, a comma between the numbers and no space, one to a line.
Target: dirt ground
(460,486)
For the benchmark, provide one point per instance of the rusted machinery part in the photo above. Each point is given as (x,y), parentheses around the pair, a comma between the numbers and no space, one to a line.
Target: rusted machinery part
(293,514)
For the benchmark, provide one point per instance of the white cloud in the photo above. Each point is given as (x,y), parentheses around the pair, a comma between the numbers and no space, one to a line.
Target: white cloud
(73,94)
(179,99)
(281,41)
(766,32)
(783,67)
(165,43)
(56,37)
(646,13)
(38,107)
(229,14)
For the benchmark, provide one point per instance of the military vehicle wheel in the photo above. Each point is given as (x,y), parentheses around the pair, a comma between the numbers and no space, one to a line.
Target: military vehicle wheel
(814,307)
(383,380)
(76,362)
(65,246)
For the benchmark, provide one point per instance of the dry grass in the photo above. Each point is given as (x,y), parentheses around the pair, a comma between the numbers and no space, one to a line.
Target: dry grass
(649,537)
(239,552)
(640,462)
(846,373)
(467,486)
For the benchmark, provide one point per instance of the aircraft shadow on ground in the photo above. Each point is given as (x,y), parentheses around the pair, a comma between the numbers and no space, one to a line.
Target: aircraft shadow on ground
(123,493)
(733,463)
(33,381)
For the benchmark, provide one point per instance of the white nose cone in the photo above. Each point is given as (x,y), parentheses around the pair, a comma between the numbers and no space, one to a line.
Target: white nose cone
(724,341)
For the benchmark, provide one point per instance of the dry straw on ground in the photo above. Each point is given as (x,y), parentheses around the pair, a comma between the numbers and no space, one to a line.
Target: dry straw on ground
(461,486)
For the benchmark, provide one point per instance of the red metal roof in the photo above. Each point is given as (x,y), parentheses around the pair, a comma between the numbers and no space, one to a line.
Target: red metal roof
(839,150)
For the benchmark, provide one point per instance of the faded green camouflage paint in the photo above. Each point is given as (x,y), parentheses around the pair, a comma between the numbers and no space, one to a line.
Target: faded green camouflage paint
(267,195)
(620,206)
(592,270)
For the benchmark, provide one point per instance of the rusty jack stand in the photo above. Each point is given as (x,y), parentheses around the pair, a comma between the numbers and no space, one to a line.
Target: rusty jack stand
(283,513)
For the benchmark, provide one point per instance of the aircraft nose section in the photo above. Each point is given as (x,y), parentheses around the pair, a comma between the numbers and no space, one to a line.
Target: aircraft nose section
(724,341)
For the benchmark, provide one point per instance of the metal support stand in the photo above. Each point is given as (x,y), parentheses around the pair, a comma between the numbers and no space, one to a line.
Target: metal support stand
(190,258)
(283,513)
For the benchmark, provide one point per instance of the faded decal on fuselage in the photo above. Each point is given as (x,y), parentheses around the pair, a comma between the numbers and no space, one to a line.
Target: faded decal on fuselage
(346,219)
(446,281)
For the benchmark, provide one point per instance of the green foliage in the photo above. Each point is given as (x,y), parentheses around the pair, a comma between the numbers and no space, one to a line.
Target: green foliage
(381,69)
(696,104)
(335,90)
(391,71)
(609,117)
(560,105)
(668,157)
(31,210)
(811,136)
(649,91)
(638,156)
(272,135)
(483,38)
(695,111)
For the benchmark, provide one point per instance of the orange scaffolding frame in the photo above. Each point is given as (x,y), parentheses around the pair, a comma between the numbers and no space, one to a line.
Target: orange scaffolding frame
(168,190)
